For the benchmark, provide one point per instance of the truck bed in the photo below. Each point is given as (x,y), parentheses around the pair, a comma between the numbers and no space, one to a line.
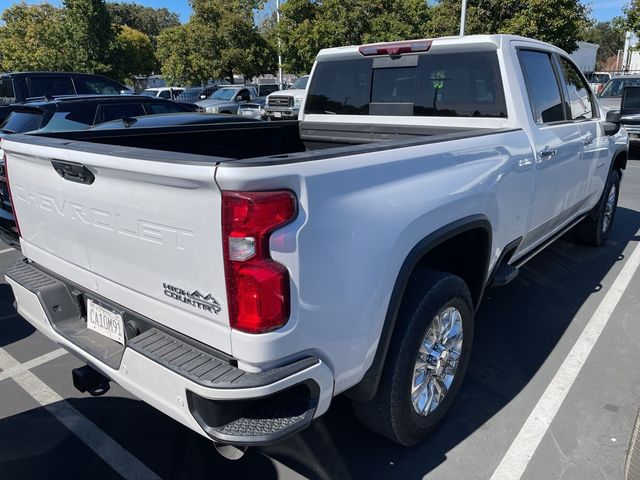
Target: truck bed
(258,142)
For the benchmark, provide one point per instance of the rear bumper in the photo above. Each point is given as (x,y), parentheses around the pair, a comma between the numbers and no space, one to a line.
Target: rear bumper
(197,386)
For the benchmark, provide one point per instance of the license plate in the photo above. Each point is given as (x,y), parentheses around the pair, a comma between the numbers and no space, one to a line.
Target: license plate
(105,321)
(277,114)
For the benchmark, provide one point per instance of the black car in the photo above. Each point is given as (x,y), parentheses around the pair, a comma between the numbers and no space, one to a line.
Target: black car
(19,87)
(79,112)
(153,121)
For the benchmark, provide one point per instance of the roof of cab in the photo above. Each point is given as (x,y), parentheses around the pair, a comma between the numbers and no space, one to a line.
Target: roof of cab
(442,42)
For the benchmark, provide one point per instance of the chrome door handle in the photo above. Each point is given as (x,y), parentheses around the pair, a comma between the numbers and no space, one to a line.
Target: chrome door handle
(547,153)
(588,140)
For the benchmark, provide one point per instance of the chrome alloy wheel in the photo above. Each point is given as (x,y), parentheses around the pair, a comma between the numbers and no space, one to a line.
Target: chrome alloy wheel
(437,361)
(609,209)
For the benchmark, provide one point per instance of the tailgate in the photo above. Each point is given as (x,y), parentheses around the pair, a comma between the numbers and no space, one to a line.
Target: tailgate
(143,232)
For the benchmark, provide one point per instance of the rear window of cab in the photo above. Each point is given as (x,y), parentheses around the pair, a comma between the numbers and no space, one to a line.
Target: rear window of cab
(464,84)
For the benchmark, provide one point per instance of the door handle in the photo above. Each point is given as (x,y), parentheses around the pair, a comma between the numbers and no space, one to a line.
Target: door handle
(588,140)
(73,172)
(547,153)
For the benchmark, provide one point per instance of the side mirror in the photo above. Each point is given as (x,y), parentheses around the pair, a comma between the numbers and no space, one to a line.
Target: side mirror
(612,122)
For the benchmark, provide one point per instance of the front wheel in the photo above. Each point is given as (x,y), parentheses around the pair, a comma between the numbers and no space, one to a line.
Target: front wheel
(595,229)
(426,361)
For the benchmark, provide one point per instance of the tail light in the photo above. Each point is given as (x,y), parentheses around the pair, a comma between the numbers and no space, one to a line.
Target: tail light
(5,178)
(257,286)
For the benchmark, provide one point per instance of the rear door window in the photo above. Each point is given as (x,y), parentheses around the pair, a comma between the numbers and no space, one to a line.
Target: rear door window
(542,85)
(49,86)
(117,111)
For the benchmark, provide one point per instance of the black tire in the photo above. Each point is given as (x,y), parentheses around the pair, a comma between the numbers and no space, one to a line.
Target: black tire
(391,412)
(591,231)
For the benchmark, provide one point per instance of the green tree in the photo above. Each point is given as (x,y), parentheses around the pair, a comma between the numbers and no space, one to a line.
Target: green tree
(30,38)
(88,35)
(148,20)
(308,26)
(559,22)
(132,55)
(219,40)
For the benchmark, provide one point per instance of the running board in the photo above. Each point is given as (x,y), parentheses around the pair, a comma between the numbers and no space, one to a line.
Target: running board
(528,256)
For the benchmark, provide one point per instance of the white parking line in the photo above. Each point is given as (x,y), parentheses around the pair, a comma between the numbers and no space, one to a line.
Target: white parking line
(42,359)
(523,448)
(7,250)
(119,459)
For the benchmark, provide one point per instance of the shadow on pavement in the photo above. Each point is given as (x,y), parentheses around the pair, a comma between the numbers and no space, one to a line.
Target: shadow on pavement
(517,328)
(12,328)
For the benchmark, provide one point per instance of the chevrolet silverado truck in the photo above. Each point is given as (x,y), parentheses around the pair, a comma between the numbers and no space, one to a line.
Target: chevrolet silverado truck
(238,277)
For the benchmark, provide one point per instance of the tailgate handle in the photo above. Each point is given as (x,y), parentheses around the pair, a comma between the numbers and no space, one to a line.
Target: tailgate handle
(74,172)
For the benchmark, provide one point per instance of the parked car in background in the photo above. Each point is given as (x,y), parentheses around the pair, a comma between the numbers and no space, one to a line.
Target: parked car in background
(168,93)
(253,109)
(227,99)
(597,80)
(18,87)
(611,94)
(71,113)
(170,119)
(285,104)
(195,94)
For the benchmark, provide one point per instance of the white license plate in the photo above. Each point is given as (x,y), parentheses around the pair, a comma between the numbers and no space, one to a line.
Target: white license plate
(105,321)
(277,114)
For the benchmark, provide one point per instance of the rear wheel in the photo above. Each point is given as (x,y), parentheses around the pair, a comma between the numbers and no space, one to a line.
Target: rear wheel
(595,229)
(426,362)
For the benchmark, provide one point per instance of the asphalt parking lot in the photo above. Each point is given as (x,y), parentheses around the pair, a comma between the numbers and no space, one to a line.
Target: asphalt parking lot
(552,392)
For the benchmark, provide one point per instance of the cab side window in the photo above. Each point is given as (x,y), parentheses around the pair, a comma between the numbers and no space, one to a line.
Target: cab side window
(542,85)
(580,101)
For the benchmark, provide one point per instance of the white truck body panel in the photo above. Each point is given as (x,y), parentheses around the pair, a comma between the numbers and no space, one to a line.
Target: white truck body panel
(146,222)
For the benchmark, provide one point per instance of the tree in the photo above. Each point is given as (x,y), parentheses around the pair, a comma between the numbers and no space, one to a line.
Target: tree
(132,55)
(308,26)
(88,35)
(219,40)
(610,37)
(148,20)
(30,38)
(559,22)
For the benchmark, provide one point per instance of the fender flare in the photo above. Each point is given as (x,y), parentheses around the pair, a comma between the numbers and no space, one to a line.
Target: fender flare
(366,389)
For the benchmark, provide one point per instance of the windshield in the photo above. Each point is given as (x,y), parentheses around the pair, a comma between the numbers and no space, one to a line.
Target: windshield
(149,93)
(615,87)
(21,122)
(300,84)
(223,94)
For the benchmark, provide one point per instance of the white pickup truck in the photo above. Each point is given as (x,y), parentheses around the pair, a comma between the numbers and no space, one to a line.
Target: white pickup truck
(238,277)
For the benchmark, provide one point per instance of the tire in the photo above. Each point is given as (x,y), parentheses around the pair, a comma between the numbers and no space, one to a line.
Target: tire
(392,412)
(595,229)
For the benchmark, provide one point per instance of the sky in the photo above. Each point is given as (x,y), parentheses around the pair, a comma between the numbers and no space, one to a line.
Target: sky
(601,9)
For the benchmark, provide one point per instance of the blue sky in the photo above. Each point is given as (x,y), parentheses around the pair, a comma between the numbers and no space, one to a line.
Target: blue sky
(601,9)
